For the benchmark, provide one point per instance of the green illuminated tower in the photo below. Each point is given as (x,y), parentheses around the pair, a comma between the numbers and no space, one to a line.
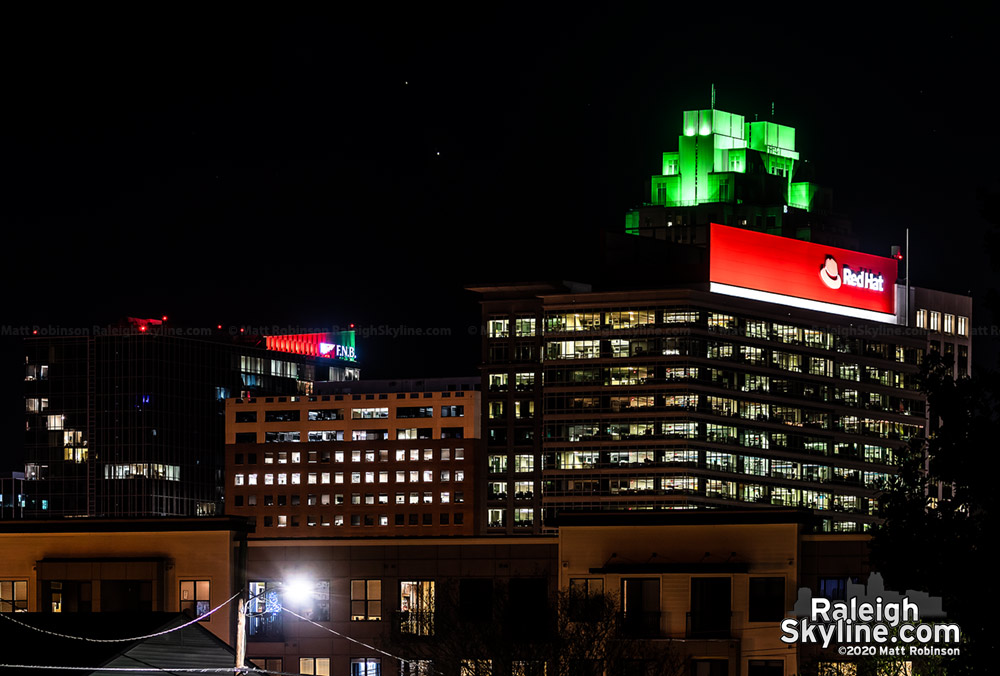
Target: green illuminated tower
(747,174)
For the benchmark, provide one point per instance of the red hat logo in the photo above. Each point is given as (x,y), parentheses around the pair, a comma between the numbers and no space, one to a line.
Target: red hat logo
(829,272)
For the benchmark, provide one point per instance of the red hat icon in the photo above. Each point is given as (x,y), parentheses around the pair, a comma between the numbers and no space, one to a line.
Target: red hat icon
(829,272)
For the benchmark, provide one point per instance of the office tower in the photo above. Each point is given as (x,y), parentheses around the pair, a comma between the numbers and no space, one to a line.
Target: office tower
(362,459)
(129,420)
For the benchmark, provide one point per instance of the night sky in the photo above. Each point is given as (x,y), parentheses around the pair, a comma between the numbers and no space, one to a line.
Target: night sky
(364,165)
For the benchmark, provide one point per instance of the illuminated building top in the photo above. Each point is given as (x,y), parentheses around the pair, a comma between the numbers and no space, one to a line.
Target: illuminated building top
(715,147)
(338,345)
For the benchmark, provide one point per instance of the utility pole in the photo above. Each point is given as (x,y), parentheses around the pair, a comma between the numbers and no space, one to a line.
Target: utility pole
(241,637)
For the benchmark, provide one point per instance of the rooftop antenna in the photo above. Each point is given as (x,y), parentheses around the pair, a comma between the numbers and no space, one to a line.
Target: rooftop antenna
(713,96)
(772,110)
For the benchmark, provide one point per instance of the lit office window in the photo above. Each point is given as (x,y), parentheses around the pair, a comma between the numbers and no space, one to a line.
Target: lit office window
(13,596)
(314,666)
(195,597)
(367,666)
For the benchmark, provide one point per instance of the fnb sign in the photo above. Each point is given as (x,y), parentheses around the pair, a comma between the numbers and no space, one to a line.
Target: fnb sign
(330,345)
(793,272)
(339,351)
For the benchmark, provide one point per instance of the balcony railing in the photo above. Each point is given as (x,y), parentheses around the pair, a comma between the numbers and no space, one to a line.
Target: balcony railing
(709,624)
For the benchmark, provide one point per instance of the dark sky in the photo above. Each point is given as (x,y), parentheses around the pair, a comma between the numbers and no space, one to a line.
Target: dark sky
(364,165)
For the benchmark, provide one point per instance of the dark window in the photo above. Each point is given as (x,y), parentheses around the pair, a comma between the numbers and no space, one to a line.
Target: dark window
(498,353)
(709,667)
(246,437)
(766,668)
(126,595)
(246,416)
(528,606)
(451,433)
(767,599)
(269,663)
(641,606)
(710,608)
(475,600)
(586,599)
(291,415)
(452,411)
(524,352)
(415,412)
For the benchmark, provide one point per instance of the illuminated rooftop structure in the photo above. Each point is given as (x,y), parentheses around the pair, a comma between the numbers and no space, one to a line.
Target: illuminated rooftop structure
(742,173)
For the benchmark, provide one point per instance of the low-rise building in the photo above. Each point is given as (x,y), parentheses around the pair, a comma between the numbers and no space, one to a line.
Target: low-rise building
(714,585)
(104,565)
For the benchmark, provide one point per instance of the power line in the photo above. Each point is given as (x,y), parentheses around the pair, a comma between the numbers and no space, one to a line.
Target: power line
(199,670)
(8,616)
(191,670)
(349,638)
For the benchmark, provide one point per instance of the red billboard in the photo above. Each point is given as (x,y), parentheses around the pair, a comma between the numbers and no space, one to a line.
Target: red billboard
(792,268)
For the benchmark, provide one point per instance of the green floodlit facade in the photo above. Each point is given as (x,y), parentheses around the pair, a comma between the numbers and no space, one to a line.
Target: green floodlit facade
(747,174)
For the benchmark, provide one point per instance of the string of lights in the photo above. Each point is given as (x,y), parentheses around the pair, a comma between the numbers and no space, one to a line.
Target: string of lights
(8,616)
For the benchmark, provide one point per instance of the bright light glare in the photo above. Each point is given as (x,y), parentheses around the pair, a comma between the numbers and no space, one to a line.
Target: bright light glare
(297,591)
